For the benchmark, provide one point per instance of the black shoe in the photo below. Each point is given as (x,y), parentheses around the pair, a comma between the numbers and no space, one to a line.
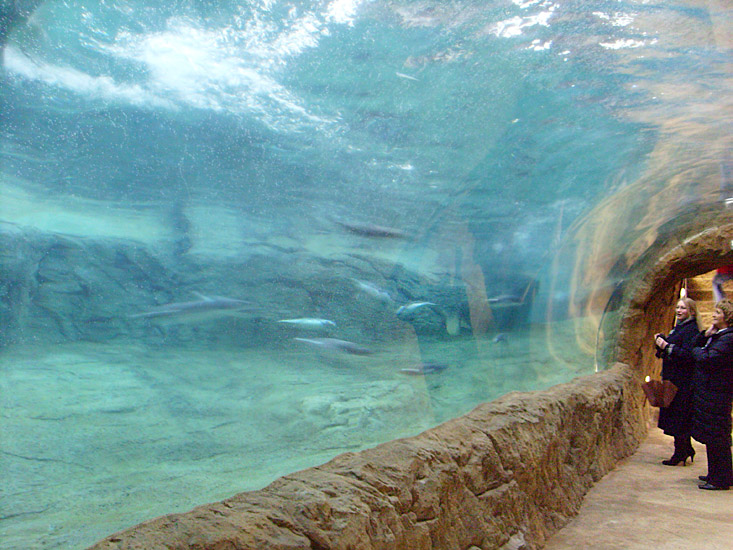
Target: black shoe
(702,478)
(676,459)
(711,487)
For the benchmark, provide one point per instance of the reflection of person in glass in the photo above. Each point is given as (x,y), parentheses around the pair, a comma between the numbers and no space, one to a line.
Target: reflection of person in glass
(677,367)
(713,396)
(722,274)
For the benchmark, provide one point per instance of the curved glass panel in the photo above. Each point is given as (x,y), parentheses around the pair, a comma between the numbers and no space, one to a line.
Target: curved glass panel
(239,238)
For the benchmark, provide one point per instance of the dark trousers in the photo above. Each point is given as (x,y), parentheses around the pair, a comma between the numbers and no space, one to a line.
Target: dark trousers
(683,446)
(720,464)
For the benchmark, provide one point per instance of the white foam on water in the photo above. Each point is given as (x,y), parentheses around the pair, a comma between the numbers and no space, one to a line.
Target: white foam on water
(524,4)
(234,69)
(616,19)
(230,70)
(514,26)
(624,43)
(538,45)
(68,78)
(342,11)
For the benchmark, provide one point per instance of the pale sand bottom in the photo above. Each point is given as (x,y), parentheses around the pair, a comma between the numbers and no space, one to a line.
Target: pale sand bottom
(96,438)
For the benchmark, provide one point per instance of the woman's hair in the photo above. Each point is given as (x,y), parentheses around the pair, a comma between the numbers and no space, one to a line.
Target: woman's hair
(726,306)
(692,308)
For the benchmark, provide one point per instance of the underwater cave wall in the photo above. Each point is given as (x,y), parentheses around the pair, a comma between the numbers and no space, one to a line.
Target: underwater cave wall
(65,288)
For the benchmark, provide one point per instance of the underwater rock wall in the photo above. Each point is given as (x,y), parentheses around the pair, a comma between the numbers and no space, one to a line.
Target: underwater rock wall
(506,475)
(60,287)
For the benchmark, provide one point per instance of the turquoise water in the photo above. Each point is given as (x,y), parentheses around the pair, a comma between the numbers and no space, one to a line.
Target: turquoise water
(100,436)
(459,188)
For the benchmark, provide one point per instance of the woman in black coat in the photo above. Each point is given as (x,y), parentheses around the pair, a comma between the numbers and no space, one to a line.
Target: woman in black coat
(677,367)
(713,396)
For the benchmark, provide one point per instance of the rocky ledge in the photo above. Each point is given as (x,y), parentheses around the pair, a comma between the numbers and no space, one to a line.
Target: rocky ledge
(505,476)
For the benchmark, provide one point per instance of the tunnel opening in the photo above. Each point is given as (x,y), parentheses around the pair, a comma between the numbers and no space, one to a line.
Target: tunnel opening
(654,286)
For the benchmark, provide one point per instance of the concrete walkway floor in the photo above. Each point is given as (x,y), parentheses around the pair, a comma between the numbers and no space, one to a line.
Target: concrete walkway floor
(642,505)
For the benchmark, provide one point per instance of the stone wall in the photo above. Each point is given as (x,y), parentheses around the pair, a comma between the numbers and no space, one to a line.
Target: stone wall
(506,475)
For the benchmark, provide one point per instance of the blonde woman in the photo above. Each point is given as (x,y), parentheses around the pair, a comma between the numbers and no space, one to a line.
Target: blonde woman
(677,367)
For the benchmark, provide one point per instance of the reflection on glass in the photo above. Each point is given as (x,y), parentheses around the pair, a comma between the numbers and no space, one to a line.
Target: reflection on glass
(239,238)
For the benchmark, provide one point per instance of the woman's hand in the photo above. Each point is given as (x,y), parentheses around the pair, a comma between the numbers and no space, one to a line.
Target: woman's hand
(660,342)
(711,330)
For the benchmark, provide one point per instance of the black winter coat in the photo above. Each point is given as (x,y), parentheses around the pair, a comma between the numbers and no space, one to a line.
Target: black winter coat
(677,366)
(713,387)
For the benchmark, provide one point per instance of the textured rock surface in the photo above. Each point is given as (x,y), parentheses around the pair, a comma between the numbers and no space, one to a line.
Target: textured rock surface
(75,288)
(506,475)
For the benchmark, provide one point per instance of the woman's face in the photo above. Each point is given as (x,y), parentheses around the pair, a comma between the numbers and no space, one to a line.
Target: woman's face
(681,311)
(719,319)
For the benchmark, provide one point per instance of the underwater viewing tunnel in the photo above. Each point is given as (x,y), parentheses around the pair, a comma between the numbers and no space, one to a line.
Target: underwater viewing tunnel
(412,251)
